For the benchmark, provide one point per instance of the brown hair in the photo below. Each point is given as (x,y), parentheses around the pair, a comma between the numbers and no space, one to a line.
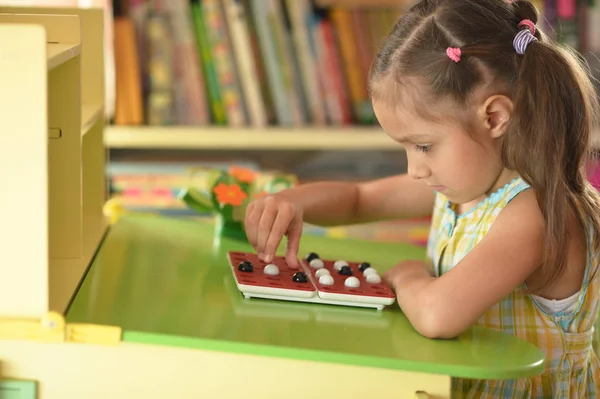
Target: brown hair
(555,104)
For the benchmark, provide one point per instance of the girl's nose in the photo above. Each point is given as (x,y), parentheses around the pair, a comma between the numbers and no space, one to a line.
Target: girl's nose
(418,170)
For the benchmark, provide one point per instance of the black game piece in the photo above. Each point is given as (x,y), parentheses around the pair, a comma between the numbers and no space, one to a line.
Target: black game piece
(311,256)
(300,277)
(364,266)
(346,271)
(246,266)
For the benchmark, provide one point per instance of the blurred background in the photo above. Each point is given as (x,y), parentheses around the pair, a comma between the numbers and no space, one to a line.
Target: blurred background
(270,85)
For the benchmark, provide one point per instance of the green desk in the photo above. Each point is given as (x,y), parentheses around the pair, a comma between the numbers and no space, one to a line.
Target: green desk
(167,283)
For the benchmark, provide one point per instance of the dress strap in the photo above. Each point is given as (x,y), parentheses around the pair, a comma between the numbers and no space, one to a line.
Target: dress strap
(516,187)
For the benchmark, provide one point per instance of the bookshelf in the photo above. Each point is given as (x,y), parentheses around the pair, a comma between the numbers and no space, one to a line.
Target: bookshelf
(272,138)
(344,35)
(53,161)
(364,3)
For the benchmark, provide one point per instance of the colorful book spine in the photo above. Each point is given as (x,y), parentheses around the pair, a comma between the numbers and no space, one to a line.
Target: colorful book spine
(567,19)
(191,104)
(356,79)
(334,64)
(219,115)
(261,73)
(281,101)
(222,54)
(300,13)
(242,50)
(160,104)
(280,31)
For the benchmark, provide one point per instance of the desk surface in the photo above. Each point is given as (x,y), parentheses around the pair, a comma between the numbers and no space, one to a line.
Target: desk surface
(167,282)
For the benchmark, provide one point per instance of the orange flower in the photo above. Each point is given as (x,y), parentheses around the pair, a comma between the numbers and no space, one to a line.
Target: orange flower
(231,194)
(244,175)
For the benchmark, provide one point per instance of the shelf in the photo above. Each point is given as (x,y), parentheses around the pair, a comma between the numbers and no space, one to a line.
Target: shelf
(59,53)
(363,3)
(89,115)
(272,138)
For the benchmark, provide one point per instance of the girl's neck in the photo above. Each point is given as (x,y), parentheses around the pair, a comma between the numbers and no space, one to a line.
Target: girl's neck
(504,177)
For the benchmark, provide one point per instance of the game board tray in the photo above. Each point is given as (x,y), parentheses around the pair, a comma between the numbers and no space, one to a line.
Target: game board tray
(257,283)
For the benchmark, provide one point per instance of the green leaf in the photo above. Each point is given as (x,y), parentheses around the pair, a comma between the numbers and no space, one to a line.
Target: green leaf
(196,200)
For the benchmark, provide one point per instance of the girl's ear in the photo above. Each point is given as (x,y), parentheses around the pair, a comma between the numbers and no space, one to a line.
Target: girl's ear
(495,114)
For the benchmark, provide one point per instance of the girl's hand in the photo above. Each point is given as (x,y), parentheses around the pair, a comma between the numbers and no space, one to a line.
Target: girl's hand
(267,220)
(405,271)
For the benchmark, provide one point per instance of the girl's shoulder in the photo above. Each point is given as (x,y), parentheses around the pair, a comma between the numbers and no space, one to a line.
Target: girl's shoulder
(488,207)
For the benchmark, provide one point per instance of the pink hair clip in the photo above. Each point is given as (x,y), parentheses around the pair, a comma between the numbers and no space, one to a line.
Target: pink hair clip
(529,24)
(453,53)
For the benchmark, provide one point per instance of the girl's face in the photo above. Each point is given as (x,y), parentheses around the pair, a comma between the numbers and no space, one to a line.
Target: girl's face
(444,155)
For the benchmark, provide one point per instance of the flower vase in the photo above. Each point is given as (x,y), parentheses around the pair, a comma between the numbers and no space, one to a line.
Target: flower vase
(227,228)
(227,192)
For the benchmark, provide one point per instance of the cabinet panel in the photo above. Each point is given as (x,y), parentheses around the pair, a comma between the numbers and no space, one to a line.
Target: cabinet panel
(17,389)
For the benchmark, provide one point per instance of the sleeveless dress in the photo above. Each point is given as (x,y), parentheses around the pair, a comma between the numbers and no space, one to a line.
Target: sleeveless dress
(572,366)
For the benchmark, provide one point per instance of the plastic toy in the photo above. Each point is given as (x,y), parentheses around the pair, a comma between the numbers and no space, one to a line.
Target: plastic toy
(317,280)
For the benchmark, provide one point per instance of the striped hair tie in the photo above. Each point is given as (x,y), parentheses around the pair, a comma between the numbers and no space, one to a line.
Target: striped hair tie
(524,37)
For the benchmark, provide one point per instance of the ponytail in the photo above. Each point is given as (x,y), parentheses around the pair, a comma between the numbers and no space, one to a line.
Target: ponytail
(548,142)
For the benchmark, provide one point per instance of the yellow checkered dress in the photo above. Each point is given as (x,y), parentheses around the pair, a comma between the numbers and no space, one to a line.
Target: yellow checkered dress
(572,367)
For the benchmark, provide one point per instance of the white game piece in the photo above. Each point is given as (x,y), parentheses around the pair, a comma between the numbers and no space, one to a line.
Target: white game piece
(322,272)
(373,278)
(271,270)
(337,265)
(369,271)
(352,282)
(317,264)
(326,280)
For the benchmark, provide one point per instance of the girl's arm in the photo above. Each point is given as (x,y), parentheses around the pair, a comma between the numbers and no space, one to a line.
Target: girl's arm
(396,197)
(270,218)
(510,252)
(339,203)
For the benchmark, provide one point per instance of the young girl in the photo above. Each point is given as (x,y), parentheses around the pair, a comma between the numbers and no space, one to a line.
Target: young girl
(496,122)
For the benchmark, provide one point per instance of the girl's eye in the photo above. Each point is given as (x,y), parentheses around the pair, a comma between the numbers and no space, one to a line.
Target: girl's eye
(423,148)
